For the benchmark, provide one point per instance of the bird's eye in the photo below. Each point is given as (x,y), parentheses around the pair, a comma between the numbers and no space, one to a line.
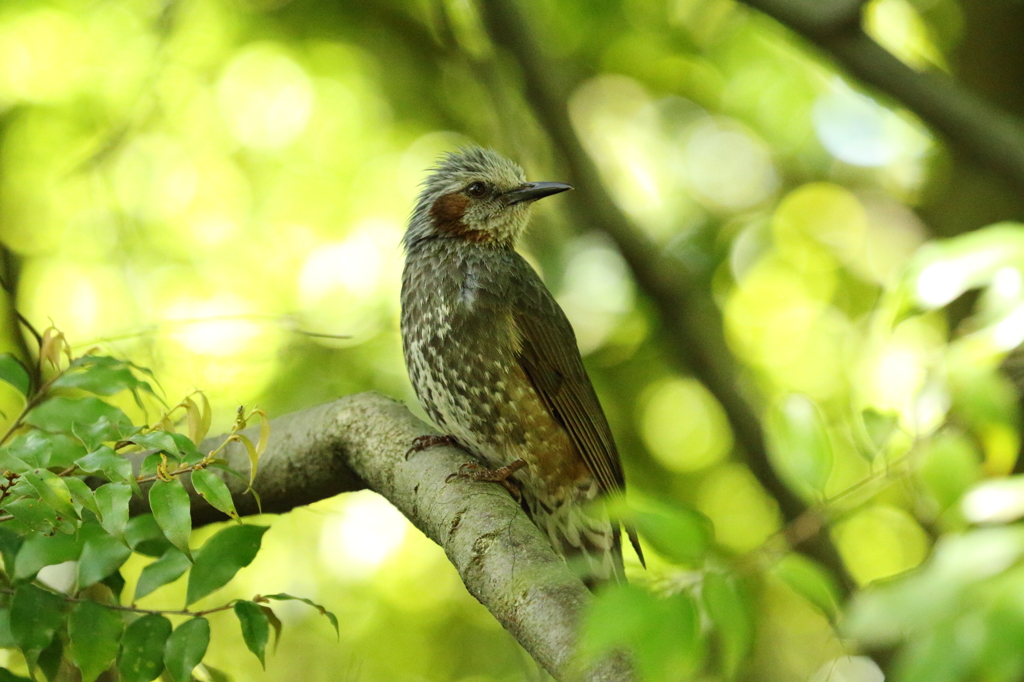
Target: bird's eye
(477,189)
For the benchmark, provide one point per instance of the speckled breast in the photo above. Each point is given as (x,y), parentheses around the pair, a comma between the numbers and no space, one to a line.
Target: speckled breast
(459,348)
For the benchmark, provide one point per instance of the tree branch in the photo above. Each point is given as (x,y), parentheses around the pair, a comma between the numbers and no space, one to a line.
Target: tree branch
(983,132)
(690,317)
(360,442)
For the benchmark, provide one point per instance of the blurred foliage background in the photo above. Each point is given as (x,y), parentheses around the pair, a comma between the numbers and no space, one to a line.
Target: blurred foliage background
(216,189)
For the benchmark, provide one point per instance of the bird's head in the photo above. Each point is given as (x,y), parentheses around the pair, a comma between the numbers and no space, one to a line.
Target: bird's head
(477,195)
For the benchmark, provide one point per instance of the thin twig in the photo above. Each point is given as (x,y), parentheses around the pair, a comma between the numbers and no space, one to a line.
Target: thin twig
(811,521)
(135,609)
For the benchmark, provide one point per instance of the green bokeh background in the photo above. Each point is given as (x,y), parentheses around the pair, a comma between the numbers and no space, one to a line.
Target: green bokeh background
(216,189)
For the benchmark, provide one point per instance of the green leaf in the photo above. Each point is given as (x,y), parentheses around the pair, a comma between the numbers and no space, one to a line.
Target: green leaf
(145,537)
(112,501)
(104,460)
(6,638)
(615,617)
(94,434)
(875,430)
(942,270)
(53,491)
(189,453)
(33,513)
(213,490)
(10,544)
(50,658)
(255,628)
(810,581)
(115,583)
(679,534)
(158,440)
(101,556)
(35,616)
(7,676)
(948,464)
(223,555)
(275,623)
(142,649)
(45,550)
(82,494)
(95,633)
(89,419)
(43,450)
(323,612)
(14,373)
(1003,652)
(151,464)
(101,375)
(672,647)
(9,462)
(172,511)
(168,568)
(216,675)
(729,611)
(799,443)
(186,648)
(886,612)
(664,634)
(220,465)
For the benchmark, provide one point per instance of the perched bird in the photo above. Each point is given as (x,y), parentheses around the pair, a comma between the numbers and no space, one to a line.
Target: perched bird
(495,363)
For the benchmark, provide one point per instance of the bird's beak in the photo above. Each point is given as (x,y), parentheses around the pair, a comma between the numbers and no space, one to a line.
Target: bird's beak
(532,191)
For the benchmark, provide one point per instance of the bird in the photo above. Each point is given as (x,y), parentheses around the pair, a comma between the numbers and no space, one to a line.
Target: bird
(494,362)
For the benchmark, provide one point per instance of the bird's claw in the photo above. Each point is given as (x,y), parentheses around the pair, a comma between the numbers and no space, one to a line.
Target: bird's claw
(421,443)
(474,472)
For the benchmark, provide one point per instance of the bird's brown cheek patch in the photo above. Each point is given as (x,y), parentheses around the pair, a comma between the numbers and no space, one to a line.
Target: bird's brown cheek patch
(447,214)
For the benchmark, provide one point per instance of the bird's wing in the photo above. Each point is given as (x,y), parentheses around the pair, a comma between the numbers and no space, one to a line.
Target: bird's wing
(551,359)
(549,356)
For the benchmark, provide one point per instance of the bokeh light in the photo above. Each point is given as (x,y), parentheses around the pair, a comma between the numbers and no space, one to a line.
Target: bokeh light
(683,425)
(218,189)
(880,541)
(265,97)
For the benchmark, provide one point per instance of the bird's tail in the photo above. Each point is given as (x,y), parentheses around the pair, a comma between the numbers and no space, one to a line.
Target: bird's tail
(587,538)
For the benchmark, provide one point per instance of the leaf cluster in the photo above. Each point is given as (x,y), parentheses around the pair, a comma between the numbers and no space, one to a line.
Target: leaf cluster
(951,448)
(66,482)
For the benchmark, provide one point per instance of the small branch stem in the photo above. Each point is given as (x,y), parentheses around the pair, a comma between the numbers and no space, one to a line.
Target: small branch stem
(135,609)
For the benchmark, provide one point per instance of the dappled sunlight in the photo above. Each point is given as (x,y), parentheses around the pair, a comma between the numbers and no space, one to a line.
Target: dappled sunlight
(791,360)
(727,167)
(899,27)
(880,541)
(364,534)
(154,179)
(827,216)
(997,501)
(206,328)
(265,97)
(683,426)
(628,133)
(596,293)
(897,372)
(778,320)
(348,288)
(744,515)
(857,130)
(42,53)
(83,299)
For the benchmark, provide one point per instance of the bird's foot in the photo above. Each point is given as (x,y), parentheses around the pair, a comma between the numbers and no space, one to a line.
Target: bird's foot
(475,472)
(421,443)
